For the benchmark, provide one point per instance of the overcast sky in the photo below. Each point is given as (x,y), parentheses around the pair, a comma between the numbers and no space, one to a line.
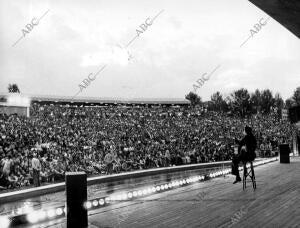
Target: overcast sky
(75,39)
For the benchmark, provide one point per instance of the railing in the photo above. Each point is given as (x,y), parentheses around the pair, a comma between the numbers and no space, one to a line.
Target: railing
(30,216)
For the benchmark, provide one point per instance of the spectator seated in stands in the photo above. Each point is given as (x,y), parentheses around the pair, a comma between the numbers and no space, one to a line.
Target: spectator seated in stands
(72,138)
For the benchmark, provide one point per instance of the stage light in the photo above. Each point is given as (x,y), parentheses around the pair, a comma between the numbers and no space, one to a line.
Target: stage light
(95,203)
(19,211)
(180,182)
(41,215)
(162,187)
(59,211)
(184,182)
(145,192)
(149,190)
(101,202)
(129,195)
(27,209)
(157,188)
(51,213)
(88,205)
(166,186)
(170,185)
(140,193)
(4,221)
(135,193)
(107,199)
(124,197)
(33,217)
(153,189)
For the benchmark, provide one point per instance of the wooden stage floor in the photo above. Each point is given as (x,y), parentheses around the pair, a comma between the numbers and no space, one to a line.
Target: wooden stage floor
(214,203)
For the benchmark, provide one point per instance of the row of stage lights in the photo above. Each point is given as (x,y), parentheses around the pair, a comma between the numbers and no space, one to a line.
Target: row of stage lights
(92,204)
(54,213)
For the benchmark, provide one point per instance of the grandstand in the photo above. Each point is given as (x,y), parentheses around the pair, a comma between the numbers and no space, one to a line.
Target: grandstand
(94,101)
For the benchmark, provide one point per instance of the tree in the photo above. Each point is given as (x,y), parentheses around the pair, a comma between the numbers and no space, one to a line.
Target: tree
(289,103)
(218,103)
(296,96)
(193,98)
(255,100)
(239,102)
(278,103)
(13,88)
(267,101)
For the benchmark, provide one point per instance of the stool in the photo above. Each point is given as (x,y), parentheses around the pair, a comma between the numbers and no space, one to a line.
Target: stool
(249,173)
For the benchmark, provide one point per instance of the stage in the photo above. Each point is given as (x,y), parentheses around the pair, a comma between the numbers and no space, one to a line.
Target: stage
(213,203)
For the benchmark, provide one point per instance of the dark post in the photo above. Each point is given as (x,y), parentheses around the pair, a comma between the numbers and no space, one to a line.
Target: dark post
(76,193)
(284,151)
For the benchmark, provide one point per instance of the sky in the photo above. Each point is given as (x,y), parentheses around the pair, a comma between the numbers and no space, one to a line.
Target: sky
(174,43)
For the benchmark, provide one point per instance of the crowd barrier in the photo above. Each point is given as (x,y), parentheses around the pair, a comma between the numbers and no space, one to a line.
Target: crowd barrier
(52,188)
(30,216)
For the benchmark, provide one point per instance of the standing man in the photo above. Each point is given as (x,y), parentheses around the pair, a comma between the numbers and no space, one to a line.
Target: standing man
(262,149)
(108,159)
(247,148)
(7,165)
(36,168)
(269,149)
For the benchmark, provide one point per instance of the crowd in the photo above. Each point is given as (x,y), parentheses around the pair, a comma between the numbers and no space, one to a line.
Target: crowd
(104,140)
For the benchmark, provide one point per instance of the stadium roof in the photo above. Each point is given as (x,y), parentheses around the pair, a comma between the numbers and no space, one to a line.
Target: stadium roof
(104,100)
(286,12)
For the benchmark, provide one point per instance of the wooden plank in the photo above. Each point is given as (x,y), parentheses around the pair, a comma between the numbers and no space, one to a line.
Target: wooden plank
(275,203)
